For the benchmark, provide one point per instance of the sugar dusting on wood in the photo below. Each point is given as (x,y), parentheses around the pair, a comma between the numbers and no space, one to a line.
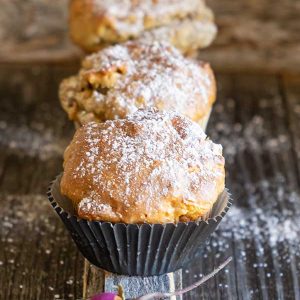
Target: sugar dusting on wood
(269,213)
(28,141)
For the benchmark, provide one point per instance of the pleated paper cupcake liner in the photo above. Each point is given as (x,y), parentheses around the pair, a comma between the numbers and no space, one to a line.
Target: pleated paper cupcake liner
(137,249)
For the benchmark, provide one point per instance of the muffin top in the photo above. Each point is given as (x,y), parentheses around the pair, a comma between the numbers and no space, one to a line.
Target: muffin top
(118,80)
(116,21)
(153,167)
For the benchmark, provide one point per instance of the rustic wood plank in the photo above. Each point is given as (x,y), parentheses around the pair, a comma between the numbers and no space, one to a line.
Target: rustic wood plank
(37,258)
(291,96)
(93,280)
(269,145)
(290,92)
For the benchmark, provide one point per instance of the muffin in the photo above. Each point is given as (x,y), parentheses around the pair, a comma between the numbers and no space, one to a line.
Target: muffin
(141,195)
(95,24)
(187,35)
(153,167)
(118,80)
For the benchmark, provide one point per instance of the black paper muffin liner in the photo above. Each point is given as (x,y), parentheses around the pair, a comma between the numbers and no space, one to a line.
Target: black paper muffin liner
(137,249)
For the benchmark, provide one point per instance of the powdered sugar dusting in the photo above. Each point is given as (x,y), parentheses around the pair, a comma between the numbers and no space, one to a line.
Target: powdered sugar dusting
(88,204)
(119,80)
(130,18)
(150,156)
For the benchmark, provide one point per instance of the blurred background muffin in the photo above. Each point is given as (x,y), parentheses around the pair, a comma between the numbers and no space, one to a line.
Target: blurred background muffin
(120,79)
(95,24)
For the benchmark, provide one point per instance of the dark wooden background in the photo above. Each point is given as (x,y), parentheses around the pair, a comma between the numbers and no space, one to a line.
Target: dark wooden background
(256,118)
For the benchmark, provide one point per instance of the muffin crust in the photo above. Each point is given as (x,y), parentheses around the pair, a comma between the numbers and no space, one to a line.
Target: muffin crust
(95,24)
(119,80)
(154,167)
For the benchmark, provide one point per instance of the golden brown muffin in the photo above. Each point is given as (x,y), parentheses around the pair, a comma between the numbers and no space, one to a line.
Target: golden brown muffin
(187,35)
(118,80)
(95,24)
(154,167)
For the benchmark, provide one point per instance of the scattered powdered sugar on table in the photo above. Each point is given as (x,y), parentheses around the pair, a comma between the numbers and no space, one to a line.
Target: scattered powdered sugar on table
(273,206)
(28,141)
(30,233)
(262,228)
(253,134)
(267,220)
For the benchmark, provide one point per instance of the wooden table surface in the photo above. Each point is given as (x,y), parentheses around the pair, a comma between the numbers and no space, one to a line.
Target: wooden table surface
(256,118)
